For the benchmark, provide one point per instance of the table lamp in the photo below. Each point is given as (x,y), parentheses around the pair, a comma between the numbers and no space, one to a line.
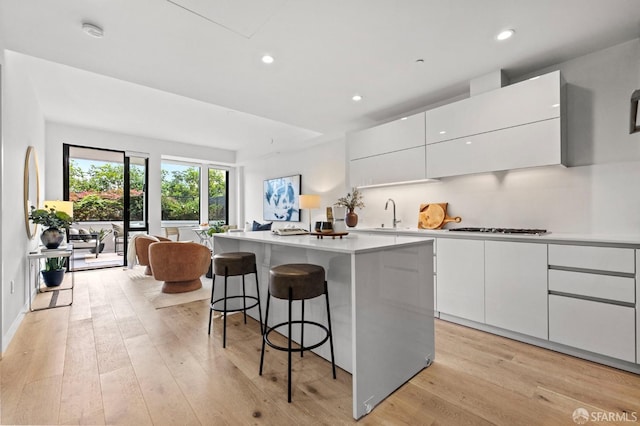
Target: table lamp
(309,201)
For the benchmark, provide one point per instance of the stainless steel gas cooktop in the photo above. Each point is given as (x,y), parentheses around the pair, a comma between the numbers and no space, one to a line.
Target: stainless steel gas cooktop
(502,230)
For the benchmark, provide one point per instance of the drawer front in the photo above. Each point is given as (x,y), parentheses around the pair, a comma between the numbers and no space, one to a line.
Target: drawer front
(621,289)
(596,258)
(593,326)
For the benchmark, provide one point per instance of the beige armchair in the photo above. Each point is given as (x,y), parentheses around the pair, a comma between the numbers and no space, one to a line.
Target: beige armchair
(179,264)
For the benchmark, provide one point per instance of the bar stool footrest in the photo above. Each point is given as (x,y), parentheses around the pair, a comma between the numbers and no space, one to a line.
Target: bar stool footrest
(255,303)
(301,348)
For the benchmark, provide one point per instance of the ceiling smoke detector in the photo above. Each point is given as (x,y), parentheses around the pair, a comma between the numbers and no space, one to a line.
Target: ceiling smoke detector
(92,30)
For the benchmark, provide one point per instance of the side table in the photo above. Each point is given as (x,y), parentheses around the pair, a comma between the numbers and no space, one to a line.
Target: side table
(35,259)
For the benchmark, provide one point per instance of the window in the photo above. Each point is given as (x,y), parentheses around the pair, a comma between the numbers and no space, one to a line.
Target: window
(180,194)
(218,195)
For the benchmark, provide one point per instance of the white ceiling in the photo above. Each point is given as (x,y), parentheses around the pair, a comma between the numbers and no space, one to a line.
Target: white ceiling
(190,70)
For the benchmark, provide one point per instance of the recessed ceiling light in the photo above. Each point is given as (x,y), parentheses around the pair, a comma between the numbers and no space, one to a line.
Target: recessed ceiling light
(505,35)
(442,132)
(535,78)
(419,61)
(356,98)
(555,105)
(92,30)
(267,59)
(404,118)
(468,142)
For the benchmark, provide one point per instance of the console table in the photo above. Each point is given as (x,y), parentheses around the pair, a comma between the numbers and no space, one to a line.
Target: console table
(35,258)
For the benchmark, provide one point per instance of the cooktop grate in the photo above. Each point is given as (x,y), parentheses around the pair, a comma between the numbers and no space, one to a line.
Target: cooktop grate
(503,230)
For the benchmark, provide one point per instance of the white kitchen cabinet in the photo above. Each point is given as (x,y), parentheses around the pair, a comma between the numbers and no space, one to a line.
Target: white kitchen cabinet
(513,148)
(598,286)
(394,136)
(516,287)
(601,328)
(592,299)
(397,166)
(513,127)
(613,259)
(460,271)
(518,104)
(638,307)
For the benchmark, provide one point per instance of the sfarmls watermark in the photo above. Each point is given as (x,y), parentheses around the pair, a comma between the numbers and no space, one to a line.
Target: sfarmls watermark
(582,416)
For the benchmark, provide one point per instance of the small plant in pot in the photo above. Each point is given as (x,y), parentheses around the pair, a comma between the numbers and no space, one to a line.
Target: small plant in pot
(53,272)
(102,234)
(352,201)
(54,222)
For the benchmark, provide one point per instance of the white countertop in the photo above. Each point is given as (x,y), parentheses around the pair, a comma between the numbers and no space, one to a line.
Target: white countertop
(352,243)
(631,240)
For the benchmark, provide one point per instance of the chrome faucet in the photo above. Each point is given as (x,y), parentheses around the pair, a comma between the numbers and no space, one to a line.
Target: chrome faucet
(395,222)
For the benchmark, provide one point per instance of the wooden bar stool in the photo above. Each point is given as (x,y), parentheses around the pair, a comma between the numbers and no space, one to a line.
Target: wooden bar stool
(230,265)
(299,281)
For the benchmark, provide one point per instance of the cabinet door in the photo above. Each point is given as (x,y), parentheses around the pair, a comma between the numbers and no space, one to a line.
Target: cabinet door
(394,136)
(593,326)
(460,266)
(398,166)
(531,145)
(521,103)
(516,287)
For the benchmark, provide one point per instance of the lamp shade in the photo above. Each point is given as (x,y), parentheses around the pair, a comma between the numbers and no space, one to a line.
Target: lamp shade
(61,206)
(309,201)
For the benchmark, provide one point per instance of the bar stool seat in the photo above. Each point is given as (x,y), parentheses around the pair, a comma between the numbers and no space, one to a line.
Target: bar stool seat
(229,265)
(291,282)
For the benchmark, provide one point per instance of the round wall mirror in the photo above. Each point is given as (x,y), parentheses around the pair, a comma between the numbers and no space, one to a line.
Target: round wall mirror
(31,189)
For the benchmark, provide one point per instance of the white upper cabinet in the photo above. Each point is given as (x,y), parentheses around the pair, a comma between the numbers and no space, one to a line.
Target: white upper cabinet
(390,153)
(394,136)
(512,127)
(529,101)
(398,166)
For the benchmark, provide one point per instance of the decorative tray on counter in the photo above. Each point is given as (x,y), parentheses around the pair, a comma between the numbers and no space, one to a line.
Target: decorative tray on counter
(333,235)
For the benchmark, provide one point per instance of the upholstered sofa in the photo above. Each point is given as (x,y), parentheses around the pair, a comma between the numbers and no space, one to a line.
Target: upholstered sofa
(179,264)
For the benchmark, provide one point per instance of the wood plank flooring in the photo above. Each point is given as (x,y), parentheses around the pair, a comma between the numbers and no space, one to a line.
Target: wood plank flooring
(112,358)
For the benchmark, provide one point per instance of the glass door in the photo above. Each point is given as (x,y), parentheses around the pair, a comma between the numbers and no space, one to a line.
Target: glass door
(94,182)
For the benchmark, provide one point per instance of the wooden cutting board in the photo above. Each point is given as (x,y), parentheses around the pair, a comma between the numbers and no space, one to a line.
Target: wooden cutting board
(434,216)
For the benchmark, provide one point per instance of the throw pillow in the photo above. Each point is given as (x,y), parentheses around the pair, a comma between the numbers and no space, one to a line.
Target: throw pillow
(257,226)
(83,232)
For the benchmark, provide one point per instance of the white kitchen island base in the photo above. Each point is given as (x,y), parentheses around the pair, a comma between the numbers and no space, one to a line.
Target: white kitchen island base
(381,296)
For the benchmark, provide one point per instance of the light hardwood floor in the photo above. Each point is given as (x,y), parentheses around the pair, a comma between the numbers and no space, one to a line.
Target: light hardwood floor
(112,358)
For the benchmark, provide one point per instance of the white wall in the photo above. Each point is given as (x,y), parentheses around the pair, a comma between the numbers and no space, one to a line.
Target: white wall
(322,168)
(22,126)
(600,196)
(59,134)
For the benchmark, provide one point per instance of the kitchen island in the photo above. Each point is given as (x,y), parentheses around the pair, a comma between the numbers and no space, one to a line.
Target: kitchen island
(381,295)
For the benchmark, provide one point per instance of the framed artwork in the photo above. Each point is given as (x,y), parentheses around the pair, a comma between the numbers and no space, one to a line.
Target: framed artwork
(281,199)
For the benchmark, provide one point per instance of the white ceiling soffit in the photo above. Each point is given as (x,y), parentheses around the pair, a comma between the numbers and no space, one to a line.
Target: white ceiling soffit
(72,96)
(243,17)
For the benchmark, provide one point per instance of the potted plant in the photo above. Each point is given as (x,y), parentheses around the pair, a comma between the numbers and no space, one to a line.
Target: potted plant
(53,221)
(102,234)
(352,201)
(53,272)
